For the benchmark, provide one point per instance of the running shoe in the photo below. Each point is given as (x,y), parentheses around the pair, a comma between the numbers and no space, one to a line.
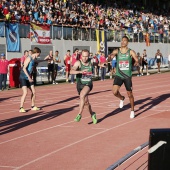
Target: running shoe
(78,118)
(132,114)
(35,108)
(148,74)
(121,102)
(94,118)
(22,110)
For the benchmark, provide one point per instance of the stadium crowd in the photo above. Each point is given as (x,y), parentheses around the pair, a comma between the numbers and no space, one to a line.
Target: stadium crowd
(113,15)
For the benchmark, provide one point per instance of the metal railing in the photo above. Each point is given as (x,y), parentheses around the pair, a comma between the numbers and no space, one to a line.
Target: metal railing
(89,34)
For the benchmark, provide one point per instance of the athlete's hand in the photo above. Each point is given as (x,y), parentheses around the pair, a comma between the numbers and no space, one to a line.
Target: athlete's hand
(136,63)
(30,80)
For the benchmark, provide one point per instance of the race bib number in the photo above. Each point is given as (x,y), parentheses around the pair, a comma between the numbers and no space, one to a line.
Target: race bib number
(86,76)
(124,65)
(158,56)
(68,62)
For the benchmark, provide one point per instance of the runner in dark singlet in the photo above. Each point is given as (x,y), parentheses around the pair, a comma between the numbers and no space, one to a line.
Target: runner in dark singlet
(124,57)
(83,69)
(26,80)
(158,58)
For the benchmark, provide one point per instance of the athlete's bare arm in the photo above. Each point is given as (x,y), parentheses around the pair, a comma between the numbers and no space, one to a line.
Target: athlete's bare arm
(114,53)
(134,56)
(47,57)
(26,62)
(74,69)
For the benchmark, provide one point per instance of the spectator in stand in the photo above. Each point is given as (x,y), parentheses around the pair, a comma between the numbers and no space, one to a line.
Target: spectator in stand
(3,71)
(118,17)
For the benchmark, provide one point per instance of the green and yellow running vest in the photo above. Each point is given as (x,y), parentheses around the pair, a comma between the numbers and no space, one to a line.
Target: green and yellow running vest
(124,64)
(86,77)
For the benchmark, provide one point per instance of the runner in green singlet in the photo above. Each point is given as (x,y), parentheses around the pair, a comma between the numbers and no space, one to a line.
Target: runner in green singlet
(83,69)
(124,57)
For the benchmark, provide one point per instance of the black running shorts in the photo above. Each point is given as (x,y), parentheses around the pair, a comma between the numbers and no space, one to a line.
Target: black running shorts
(127,82)
(80,86)
(144,63)
(24,82)
(158,61)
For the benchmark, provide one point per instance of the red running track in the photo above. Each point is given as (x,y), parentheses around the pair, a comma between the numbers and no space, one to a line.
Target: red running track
(50,139)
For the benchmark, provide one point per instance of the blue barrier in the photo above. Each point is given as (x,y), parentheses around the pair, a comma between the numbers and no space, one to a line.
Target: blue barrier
(152,61)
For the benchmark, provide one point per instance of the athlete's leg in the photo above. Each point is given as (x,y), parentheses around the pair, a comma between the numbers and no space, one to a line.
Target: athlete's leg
(32,89)
(49,76)
(84,92)
(24,94)
(88,105)
(131,99)
(128,85)
(116,92)
(67,75)
(158,64)
(147,69)
(116,87)
(93,114)
(142,68)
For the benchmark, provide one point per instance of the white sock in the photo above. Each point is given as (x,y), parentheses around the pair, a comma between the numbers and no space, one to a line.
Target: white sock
(121,103)
(132,114)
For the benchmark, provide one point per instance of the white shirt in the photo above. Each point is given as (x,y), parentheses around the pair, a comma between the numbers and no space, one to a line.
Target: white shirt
(169,57)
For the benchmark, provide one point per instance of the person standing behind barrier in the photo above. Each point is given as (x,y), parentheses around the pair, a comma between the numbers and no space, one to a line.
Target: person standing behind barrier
(103,64)
(55,69)
(124,56)
(158,57)
(49,58)
(139,66)
(26,81)
(144,62)
(74,58)
(83,70)
(3,71)
(95,62)
(109,64)
(26,53)
(34,72)
(67,63)
(113,70)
